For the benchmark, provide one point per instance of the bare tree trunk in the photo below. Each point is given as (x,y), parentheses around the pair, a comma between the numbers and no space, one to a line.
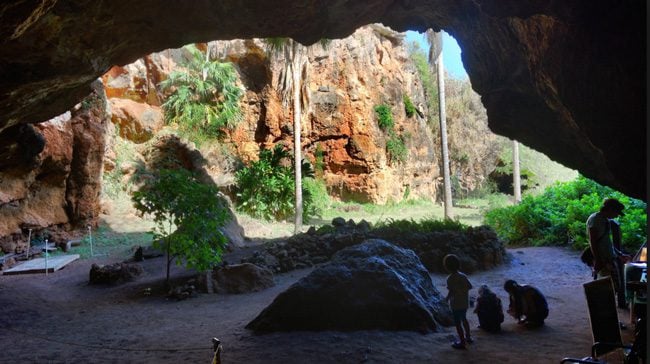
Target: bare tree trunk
(443,138)
(295,70)
(516,173)
(169,262)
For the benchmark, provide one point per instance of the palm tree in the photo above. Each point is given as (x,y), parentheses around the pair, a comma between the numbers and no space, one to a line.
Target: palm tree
(516,174)
(295,56)
(205,97)
(435,56)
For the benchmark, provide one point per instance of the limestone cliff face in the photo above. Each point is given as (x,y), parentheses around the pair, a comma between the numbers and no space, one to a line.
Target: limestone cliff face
(58,184)
(343,84)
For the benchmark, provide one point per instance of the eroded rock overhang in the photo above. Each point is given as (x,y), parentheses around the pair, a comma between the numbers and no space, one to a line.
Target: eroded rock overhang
(564,77)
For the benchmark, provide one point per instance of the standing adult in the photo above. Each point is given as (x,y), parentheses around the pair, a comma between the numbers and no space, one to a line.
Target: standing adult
(600,241)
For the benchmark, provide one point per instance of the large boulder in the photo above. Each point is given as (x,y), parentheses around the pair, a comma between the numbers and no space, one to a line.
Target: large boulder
(373,285)
(114,273)
(241,278)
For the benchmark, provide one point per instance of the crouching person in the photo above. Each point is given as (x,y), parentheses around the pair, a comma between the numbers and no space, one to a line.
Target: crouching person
(527,304)
(489,310)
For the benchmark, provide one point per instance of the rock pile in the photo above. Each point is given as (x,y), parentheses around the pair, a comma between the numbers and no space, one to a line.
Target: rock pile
(477,247)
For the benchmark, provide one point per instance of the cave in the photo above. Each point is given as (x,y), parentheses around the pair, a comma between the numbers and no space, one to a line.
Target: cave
(566,78)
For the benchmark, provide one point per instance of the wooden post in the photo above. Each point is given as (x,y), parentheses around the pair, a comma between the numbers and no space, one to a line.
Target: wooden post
(29,242)
(90,239)
(46,254)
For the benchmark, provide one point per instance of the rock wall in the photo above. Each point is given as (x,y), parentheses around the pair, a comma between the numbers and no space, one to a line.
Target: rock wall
(344,83)
(55,187)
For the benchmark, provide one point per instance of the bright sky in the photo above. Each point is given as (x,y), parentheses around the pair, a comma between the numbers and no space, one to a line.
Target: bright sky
(450,52)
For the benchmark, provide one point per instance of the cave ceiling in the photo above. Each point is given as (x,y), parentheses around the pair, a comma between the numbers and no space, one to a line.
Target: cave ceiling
(564,77)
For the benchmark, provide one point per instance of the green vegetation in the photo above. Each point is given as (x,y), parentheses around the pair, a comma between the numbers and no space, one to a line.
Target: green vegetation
(407,209)
(384,117)
(558,216)
(266,188)
(112,184)
(204,97)
(409,108)
(429,82)
(427,224)
(188,218)
(395,145)
(538,171)
(317,191)
(108,242)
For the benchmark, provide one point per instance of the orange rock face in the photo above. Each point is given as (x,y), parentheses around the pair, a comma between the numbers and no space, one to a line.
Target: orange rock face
(137,121)
(61,188)
(342,85)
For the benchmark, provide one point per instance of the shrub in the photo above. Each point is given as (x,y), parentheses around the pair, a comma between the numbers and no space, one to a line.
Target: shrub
(316,190)
(384,117)
(559,214)
(204,96)
(266,188)
(396,148)
(409,108)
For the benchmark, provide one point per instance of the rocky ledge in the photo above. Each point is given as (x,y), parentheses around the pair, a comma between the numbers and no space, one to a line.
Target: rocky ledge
(477,247)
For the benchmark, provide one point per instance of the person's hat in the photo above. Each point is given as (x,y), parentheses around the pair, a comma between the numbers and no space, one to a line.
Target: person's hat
(614,205)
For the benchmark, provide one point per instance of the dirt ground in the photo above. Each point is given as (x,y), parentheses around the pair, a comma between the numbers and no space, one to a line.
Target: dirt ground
(61,319)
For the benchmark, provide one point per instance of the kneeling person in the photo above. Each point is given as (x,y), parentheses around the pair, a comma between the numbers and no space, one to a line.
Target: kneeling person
(489,310)
(527,304)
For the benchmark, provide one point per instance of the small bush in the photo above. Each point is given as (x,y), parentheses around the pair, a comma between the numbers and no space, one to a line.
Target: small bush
(384,117)
(317,192)
(266,188)
(409,108)
(396,148)
(559,214)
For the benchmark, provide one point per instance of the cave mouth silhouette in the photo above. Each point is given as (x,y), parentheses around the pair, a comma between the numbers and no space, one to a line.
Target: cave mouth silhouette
(560,77)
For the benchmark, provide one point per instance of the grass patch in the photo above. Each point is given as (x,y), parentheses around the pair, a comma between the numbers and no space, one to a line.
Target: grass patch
(106,241)
(413,209)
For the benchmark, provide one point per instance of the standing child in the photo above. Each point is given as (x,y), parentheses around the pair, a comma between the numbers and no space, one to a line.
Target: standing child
(458,297)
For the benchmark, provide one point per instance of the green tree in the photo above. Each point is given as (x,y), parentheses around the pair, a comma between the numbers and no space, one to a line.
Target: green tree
(204,95)
(188,217)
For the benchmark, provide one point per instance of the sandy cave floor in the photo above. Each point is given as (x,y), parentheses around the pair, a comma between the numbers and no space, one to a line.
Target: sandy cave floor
(61,319)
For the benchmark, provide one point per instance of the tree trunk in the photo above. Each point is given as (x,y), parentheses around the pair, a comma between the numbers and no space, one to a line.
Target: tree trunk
(516,173)
(169,261)
(443,138)
(295,70)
